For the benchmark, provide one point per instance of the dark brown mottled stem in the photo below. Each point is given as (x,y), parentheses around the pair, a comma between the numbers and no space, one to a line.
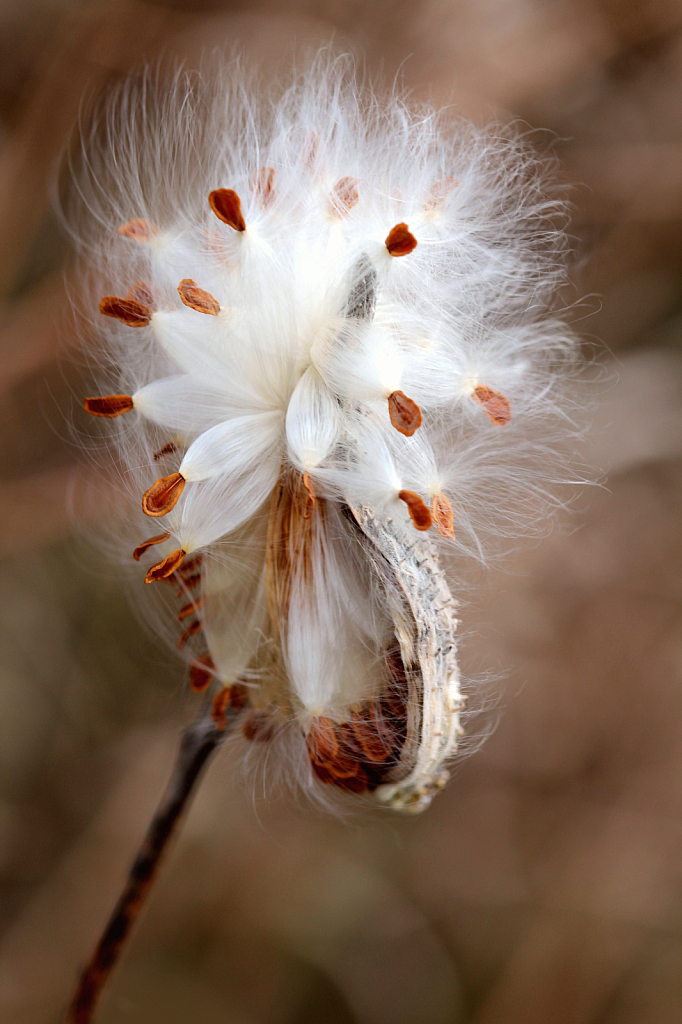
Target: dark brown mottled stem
(199,741)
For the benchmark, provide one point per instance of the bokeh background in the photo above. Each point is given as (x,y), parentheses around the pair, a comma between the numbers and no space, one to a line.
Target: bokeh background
(545,883)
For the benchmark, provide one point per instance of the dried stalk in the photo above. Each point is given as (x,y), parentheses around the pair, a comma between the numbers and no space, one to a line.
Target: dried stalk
(199,741)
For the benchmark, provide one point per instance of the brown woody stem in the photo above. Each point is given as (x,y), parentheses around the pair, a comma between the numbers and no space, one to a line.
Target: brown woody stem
(199,741)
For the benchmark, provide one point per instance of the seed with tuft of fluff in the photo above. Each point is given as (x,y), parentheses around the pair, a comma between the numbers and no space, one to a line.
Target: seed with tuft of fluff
(308,343)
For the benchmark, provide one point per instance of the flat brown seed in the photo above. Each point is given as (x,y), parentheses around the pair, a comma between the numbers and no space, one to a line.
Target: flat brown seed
(128,311)
(189,632)
(439,193)
(108,405)
(310,499)
(344,196)
(201,673)
(196,298)
(259,726)
(141,292)
(321,741)
(227,207)
(400,241)
(374,746)
(496,406)
(443,516)
(263,182)
(190,582)
(163,496)
(221,703)
(138,229)
(168,449)
(166,568)
(147,544)
(406,416)
(419,513)
(189,609)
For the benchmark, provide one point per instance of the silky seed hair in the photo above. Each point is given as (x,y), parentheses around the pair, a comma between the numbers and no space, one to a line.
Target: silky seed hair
(329,371)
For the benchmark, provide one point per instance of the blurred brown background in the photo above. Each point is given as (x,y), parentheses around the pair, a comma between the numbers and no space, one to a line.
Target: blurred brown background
(545,884)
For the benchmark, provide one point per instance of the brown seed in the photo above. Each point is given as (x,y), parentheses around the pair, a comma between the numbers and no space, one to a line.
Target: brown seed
(166,568)
(147,544)
(128,311)
(141,292)
(310,500)
(376,743)
(196,298)
(168,449)
(259,726)
(344,196)
(439,193)
(138,229)
(406,416)
(201,673)
(496,406)
(443,516)
(190,582)
(108,405)
(263,181)
(239,696)
(400,241)
(190,631)
(191,564)
(189,609)
(419,513)
(163,496)
(221,703)
(227,207)
(321,741)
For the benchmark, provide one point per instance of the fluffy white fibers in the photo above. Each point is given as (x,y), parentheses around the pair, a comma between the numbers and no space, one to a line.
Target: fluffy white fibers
(330,355)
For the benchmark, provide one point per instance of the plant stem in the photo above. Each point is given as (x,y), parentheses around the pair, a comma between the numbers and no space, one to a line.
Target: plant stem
(199,741)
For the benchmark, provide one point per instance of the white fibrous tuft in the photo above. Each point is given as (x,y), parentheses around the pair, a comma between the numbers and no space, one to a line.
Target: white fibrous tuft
(330,359)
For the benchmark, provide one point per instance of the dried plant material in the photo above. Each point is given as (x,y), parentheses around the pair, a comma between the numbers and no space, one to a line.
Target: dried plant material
(142,548)
(219,708)
(259,726)
(310,496)
(201,673)
(168,449)
(191,564)
(400,241)
(419,512)
(496,406)
(141,292)
(191,631)
(108,405)
(344,196)
(190,582)
(263,186)
(128,311)
(227,207)
(191,608)
(443,516)
(196,298)
(163,496)
(138,229)
(439,192)
(166,568)
(406,416)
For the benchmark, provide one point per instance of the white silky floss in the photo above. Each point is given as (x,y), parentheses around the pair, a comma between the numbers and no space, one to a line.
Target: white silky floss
(327,322)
